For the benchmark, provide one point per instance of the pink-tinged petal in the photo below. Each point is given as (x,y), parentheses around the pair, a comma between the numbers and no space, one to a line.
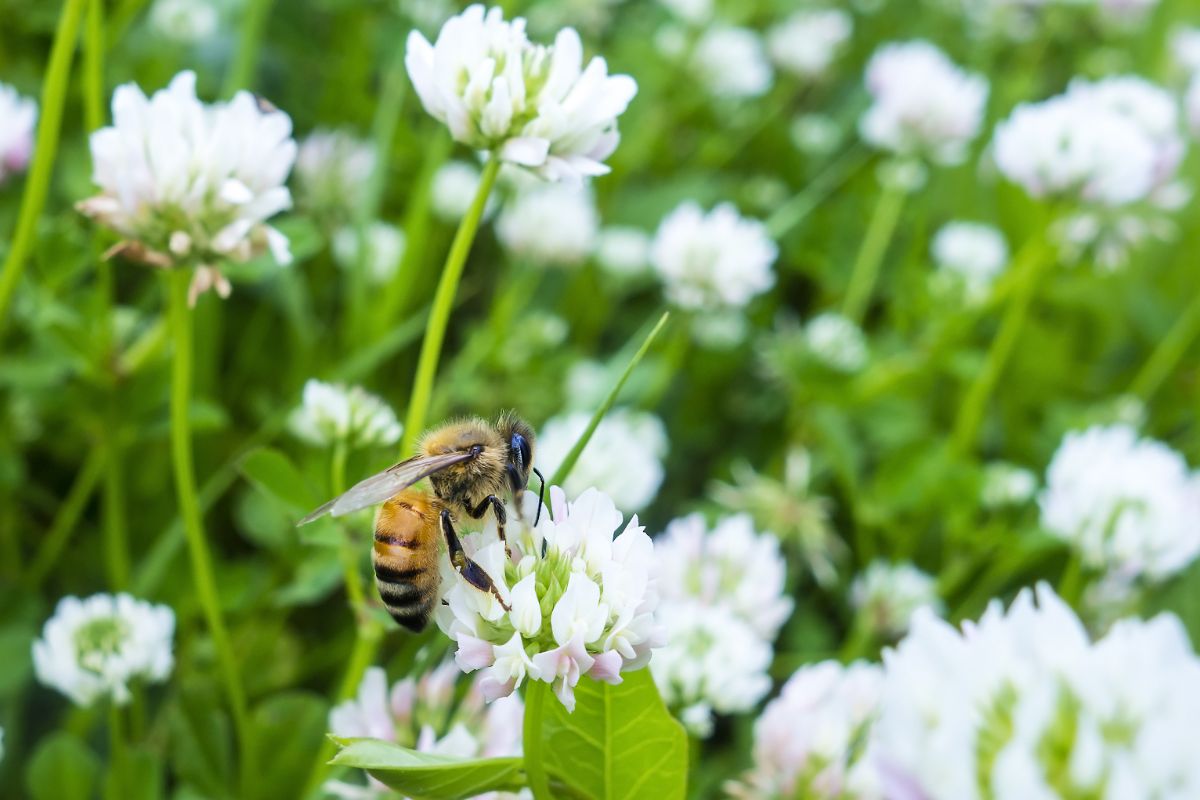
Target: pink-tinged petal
(528,151)
(493,689)
(473,653)
(565,692)
(607,668)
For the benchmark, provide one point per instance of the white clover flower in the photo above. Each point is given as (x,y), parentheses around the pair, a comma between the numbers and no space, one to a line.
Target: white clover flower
(1185,48)
(809,740)
(815,134)
(384,249)
(189,183)
(333,412)
(731,565)
(582,602)
(806,43)
(888,595)
(424,714)
(550,225)
(623,250)
(533,105)
(973,253)
(1129,506)
(1007,484)
(923,103)
(732,63)
(1022,705)
(623,459)
(453,189)
(17,118)
(715,260)
(693,11)
(185,21)
(95,647)
(713,661)
(836,342)
(333,169)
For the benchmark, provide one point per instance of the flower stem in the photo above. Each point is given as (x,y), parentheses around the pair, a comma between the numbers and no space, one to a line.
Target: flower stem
(37,183)
(1072,582)
(793,212)
(67,517)
(93,66)
(443,301)
(865,273)
(117,787)
(531,739)
(1027,271)
(189,508)
(1169,352)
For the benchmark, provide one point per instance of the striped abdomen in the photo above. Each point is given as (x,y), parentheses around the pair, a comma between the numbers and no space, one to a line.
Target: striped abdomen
(406,557)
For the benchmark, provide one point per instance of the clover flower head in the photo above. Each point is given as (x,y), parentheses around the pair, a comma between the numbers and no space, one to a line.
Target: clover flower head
(550,224)
(1185,48)
(332,412)
(581,600)
(95,647)
(534,105)
(714,260)
(1128,505)
(17,118)
(808,741)
(888,595)
(806,43)
(923,103)
(184,21)
(973,253)
(628,466)
(1023,704)
(190,183)
(1006,484)
(732,63)
(333,169)
(836,341)
(423,714)
(384,247)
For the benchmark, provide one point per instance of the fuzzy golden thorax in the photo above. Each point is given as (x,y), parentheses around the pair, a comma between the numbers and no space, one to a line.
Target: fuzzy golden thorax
(464,486)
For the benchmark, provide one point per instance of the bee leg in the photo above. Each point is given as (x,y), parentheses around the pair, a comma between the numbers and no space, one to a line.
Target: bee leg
(472,572)
(501,517)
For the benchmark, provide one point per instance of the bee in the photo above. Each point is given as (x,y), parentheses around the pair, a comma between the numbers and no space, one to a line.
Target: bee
(468,463)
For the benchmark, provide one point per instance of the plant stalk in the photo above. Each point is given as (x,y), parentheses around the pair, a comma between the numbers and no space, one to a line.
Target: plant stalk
(865,273)
(1169,352)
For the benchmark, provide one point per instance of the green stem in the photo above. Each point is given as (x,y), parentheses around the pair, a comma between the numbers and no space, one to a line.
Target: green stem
(116,540)
(117,787)
(68,516)
(568,463)
(865,273)
(93,66)
(37,184)
(241,71)
(531,744)
(1169,352)
(1027,271)
(443,301)
(1073,581)
(795,210)
(189,508)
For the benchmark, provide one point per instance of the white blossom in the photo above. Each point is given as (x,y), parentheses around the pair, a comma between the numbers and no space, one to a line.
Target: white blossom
(533,105)
(808,741)
(189,183)
(423,714)
(384,249)
(732,63)
(888,595)
(332,412)
(973,253)
(1185,49)
(1129,506)
(333,170)
(1022,705)
(95,647)
(17,118)
(806,43)
(923,103)
(837,342)
(185,21)
(623,459)
(623,250)
(550,225)
(815,134)
(693,11)
(590,587)
(1007,484)
(714,260)
(454,187)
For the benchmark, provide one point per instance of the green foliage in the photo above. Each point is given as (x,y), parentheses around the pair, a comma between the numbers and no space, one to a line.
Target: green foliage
(426,774)
(62,768)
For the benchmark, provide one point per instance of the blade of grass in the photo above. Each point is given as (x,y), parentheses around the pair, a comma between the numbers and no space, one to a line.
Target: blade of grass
(568,463)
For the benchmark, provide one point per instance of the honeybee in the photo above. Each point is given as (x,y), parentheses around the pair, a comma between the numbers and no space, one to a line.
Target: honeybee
(468,462)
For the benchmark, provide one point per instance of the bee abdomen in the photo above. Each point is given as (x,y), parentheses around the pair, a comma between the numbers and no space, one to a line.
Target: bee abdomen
(409,604)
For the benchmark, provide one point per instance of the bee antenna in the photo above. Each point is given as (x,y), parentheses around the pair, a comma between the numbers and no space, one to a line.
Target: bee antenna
(541,496)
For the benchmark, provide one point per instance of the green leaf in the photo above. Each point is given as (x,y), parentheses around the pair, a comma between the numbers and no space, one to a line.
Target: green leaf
(620,742)
(201,753)
(140,777)
(429,775)
(288,733)
(272,471)
(62,768)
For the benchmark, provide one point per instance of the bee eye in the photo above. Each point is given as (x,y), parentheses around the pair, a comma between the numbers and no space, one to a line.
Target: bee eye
(520,448)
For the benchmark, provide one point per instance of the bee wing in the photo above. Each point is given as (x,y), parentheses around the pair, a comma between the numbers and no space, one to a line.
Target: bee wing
(385,485)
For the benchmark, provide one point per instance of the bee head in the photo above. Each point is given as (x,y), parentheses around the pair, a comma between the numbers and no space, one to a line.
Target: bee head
(518,435)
